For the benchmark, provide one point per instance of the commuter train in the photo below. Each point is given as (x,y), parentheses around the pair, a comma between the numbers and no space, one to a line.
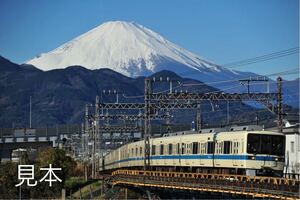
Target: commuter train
(245,152)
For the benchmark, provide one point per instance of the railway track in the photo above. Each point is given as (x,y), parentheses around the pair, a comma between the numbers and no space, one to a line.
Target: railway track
(246,186)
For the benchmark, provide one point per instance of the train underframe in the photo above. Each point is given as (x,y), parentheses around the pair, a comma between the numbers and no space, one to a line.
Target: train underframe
(216,170)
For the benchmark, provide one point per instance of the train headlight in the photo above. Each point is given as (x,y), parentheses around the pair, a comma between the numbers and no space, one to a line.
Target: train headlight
(276,159)
(251,157)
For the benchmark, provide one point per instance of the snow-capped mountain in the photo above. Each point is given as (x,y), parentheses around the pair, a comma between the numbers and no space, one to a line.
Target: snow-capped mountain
(132,50)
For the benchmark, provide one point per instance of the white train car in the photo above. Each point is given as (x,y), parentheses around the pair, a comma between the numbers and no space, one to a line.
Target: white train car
(240,152)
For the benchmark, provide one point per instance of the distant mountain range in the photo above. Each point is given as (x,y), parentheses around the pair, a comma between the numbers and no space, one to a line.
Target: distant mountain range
(115,56)
(59,96)
(134,50)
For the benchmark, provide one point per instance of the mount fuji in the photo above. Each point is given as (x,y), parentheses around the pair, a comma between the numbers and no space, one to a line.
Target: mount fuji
(133,50)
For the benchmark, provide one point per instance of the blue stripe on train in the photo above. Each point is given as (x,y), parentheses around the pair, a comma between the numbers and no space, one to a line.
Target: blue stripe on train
(219,157)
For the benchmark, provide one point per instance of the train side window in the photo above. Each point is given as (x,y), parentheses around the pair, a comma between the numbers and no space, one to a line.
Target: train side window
(170,149)
(227,145)
(141,151)
(161,149)
(183,148)
(153,150)
(178,148)
(195,147)
(210,147)
(136,151)
(132,152)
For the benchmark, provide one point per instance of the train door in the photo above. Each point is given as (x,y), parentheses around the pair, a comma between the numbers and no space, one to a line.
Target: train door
(235,152)
(202,152)
(174,152)
(242,152)
(195,152)
(218,152)
(178,154)
(187,152)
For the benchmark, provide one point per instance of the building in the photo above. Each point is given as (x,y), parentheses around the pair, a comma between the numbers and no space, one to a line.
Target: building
(292,152)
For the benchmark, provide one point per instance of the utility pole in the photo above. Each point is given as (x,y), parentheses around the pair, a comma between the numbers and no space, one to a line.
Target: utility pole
(147,125)
(141,123)
(279,105)
(30,112)
(228,112)
(93,152)
(87,130)
(199,118)
(96,136)
(86,139)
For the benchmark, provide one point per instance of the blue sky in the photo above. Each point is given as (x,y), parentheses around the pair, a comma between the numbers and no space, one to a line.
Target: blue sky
(222,31)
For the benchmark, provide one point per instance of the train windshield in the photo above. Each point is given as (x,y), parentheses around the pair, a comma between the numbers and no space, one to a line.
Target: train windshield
(266,144)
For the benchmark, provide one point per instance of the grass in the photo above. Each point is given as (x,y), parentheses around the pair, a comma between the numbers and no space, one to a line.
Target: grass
(93,188)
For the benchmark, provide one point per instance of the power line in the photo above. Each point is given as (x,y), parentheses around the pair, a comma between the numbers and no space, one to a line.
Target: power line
(286,72)
(263,58)
(253,60)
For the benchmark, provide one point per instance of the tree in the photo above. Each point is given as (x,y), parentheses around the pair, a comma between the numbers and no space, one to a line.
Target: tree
(58,159)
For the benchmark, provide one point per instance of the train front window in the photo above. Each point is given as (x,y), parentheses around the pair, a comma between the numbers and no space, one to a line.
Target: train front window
(266,144)
(278,144)
(253,143)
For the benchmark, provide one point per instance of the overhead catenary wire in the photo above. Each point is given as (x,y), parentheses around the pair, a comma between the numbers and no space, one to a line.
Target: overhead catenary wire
(290,71)
(273,55)
(263,58)
(244,62)
(287,72)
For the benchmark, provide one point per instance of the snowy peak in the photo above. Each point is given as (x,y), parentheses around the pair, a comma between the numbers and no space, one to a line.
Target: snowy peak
(126,47)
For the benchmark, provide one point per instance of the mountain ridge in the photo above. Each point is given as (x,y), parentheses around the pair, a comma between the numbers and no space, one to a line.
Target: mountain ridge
(59,96)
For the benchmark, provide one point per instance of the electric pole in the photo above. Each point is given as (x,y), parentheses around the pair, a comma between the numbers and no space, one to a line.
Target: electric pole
(279,105)
(147,125)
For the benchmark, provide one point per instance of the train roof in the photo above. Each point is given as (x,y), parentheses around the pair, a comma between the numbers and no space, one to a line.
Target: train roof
(218,130)
(194,133)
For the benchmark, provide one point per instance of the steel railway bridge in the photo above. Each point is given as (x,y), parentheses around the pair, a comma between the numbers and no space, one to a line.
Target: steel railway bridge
(219,184)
